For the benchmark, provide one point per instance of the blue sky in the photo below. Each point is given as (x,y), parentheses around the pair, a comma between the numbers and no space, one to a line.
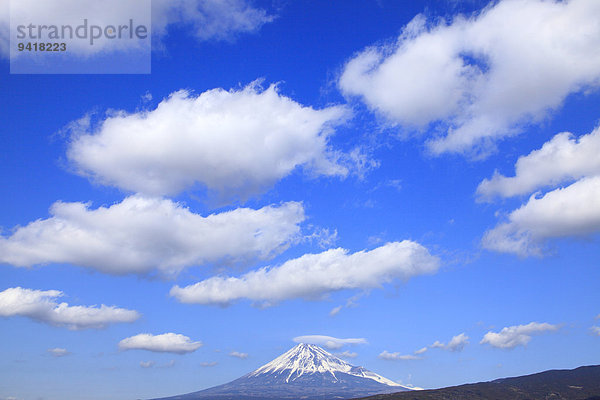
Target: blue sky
(420,176)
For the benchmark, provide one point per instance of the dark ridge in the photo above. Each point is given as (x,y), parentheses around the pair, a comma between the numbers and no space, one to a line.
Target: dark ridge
(582,383)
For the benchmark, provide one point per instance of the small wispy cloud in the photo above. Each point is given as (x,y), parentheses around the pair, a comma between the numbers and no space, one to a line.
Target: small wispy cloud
(386,355)
(208,364)
(239,355)
(335,311)
(395,184)
(59,352)
(323,237)
(347,354)
(151,364)
(147,364)
(351,302)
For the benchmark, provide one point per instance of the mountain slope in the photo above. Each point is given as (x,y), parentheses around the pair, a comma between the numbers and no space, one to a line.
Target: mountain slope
(305,372)
(582,383)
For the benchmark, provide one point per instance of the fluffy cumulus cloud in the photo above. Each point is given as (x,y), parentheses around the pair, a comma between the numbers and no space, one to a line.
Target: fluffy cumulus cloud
(41,305)
(457,343)
(315,275)
(235,143)
(329,342)
(568,168)
(519,335)
(202,19)
(144,235)
(570,211)
(479,79)
(595,330)
(386,355)
(562,159)
(165,343)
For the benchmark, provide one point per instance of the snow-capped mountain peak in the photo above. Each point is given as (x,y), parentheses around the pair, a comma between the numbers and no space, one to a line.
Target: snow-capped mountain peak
(304,372)
(307,359)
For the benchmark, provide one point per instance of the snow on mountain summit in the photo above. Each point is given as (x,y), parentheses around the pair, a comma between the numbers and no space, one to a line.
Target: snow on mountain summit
(307,359)
(304,372)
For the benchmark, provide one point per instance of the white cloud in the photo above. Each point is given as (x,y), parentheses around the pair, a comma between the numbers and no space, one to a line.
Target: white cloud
(59,352)
(42,306)
(235,143)
(239,355)
(561,212)
(315,275)
(335,311)
(481,78)
(457,343)
(385,355)
(145,235)
(347,354)
(208,19)
(202,19)
(165,343)
(351,302)
(147,364)
(570,211)
(321,236)
(513,336)
(595,330)
(152,364)
(421,350)
(208,364)
(564,158)
(329,342)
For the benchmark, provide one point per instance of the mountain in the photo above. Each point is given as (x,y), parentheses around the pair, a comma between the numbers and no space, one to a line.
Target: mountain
(304,372)
(582,383)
